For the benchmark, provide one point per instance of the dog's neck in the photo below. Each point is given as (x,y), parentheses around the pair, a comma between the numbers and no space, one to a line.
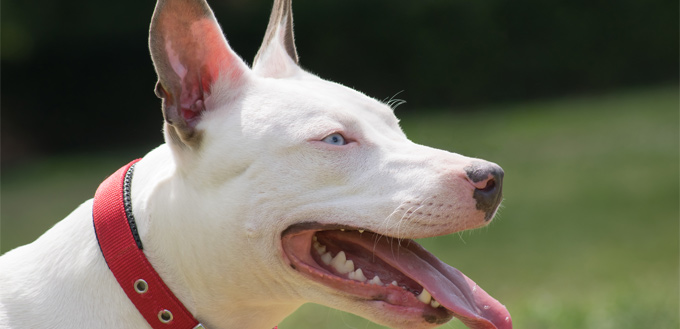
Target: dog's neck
(75,275)
(161,197)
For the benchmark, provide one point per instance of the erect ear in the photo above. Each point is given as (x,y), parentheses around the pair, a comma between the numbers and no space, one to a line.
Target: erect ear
(277,57)
(190,54)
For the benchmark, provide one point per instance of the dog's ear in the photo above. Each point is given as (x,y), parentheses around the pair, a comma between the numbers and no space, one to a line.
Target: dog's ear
(190,54)
(277,57)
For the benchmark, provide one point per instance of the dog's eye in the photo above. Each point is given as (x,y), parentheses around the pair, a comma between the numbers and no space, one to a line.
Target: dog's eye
(334,139)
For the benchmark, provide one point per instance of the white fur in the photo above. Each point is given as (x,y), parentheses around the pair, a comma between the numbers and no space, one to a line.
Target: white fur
(211,218)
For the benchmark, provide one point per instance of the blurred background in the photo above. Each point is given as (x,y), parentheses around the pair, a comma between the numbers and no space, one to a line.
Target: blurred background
(577,100)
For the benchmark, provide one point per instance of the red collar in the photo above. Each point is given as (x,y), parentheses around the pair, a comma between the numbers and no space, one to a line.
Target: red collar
(116,233)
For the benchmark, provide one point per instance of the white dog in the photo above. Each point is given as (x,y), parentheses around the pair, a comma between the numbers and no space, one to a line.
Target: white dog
(274,188)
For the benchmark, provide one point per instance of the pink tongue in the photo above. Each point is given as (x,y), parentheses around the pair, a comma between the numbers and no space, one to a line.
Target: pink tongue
(447,285)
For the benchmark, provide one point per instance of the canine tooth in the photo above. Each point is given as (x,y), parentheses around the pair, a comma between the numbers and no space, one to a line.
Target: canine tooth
(342,229)
(326,258)
(425,297)
(357,275)
(314,238)
(435,303)
(361,231)
(376,280)
(394,283)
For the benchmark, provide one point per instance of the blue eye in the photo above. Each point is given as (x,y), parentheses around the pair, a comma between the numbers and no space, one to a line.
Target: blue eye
(334,139)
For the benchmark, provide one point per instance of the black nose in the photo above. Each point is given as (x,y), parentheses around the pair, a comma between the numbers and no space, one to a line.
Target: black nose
(488,181)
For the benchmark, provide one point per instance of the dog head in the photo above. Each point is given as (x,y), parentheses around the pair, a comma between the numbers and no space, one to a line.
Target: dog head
(311,183)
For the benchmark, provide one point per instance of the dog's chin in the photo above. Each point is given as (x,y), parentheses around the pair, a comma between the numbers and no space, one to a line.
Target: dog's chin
(397,316)
(391,281)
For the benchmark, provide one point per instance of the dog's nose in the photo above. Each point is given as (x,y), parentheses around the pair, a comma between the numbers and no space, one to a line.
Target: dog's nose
(487,179)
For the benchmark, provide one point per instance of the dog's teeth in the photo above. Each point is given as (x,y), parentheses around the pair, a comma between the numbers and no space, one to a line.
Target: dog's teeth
(349,266)
(435,303)
(339,259)
(394,283)
(342,229)
(314,238)
(326,258)
(425,297)
(340,263)
(357,275)
(376,280)
(320,249)
(361,231)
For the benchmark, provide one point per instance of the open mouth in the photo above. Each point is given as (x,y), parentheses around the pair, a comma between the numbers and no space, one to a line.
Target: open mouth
(399,273)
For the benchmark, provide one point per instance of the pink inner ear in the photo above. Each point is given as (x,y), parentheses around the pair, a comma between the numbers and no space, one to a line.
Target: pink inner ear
(198,58)
(192,112)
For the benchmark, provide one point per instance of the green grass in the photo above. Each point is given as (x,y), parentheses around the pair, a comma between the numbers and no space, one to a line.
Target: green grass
(587,236)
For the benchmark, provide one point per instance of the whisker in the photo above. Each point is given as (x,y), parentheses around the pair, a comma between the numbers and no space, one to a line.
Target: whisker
(393,102)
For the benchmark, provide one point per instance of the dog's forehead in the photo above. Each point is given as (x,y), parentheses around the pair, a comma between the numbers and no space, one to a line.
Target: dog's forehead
(308,96)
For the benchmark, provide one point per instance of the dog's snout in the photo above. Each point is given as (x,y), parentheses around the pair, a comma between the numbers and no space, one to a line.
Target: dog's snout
(487,178)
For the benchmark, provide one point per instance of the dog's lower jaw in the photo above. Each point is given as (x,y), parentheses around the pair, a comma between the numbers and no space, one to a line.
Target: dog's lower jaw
(396,280)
